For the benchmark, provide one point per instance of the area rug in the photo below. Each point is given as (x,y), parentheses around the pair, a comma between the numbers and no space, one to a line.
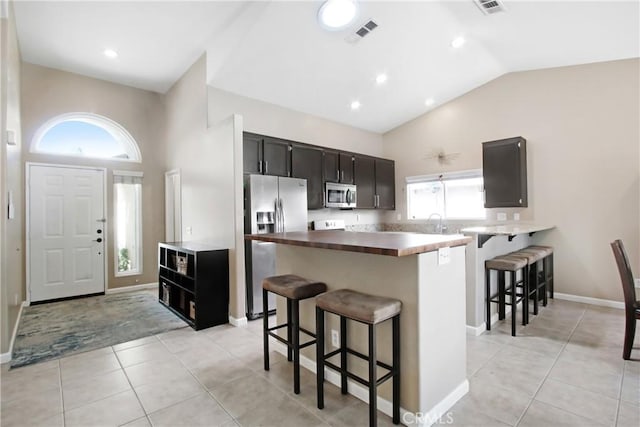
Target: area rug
(58,329)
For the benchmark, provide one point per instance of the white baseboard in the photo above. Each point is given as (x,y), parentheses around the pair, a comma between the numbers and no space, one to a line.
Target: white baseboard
(407,418)
(6,357)
(238,322)
(475,331)
(589,300)
(132,288)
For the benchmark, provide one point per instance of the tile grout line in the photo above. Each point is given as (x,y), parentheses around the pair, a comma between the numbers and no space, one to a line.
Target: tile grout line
(132,388)
(205,389)
(64,412)
(550,369)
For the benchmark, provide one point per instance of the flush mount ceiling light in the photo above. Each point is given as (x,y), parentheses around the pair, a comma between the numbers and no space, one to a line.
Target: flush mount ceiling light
(355,105)
(381,78)
(458,42)
(337,14)
(110,53)
(429,102)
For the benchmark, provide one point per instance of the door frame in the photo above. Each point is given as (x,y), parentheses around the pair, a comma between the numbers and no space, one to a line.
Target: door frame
(27,212)
(177,202)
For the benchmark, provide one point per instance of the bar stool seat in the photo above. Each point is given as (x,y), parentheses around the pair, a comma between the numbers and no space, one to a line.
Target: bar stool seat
(370,310)
(294,289)
(359,306)
(507,264)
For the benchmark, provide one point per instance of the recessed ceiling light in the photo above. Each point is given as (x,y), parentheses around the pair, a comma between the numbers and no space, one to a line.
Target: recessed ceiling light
(355,105)
(429,102)
(337,14)
(457,42)
(110,53)
(381,78)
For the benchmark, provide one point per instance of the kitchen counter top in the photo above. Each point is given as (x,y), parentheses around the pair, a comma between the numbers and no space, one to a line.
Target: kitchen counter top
(380,243)
(507,229)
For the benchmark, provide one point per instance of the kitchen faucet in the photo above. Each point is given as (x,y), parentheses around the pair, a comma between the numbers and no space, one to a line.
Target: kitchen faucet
(438,228)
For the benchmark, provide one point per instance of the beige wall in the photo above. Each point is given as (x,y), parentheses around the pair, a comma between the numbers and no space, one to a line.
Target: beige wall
(47,93)
(11,253)
(268,119)
(582,125)
(204,141)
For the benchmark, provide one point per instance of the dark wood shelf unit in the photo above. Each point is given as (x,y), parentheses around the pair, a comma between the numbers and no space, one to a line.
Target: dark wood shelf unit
(199,295)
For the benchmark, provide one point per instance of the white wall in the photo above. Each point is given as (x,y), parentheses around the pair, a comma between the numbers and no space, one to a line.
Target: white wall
(11,179)
(582,125)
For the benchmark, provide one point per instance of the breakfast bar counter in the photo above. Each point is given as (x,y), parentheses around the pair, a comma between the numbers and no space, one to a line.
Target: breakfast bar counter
(426,273)
(393,244)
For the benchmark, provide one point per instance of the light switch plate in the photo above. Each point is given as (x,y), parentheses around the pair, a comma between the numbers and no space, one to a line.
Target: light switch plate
(502,216)
(444,256)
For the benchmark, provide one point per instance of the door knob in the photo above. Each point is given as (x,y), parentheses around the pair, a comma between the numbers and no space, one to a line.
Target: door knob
(99,239)
(98,231)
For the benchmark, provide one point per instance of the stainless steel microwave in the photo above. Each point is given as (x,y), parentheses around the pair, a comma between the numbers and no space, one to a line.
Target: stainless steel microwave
(339,195)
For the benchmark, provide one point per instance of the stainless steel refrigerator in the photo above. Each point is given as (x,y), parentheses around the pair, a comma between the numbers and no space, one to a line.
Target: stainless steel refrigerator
(272,204)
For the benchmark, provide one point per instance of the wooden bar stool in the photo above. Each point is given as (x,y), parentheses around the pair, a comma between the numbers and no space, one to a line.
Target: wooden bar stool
(370,310)
(547,266)
(506,264)
(534,284)
(293,288)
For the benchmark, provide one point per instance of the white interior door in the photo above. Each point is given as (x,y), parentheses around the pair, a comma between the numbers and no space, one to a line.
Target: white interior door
(66,232)
(173,206)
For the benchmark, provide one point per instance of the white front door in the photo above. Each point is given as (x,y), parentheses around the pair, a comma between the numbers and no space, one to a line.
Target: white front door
(66,232)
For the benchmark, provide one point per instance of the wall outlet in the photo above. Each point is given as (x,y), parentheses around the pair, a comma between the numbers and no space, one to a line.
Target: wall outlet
(502,216)
(188,230)
(399,217)
(516,217)
(444,256)
(357,217)
(335,338)
(15,299)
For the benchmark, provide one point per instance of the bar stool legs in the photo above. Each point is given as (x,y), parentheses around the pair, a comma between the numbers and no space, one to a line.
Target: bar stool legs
(293,288)
(372,381)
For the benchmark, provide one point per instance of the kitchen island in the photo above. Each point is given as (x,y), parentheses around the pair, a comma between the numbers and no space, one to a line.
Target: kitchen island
(426,272)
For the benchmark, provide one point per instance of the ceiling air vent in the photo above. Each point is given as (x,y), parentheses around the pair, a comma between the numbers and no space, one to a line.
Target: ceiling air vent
(489,7)
(361,31)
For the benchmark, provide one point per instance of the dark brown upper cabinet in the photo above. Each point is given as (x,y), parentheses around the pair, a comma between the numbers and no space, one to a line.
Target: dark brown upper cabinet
(337,167)
(252,153)
(277,159)
(306,162)
(504,170)
(365,176)
(385,184)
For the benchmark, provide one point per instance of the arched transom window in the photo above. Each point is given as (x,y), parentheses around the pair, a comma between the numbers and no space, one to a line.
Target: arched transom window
(86,135)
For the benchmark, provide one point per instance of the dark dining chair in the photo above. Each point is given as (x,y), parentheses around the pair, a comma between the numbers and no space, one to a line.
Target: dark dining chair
(631,304)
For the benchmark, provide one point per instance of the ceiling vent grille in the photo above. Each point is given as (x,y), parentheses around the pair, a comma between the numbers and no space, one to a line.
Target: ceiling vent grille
(362,31)
(489,7)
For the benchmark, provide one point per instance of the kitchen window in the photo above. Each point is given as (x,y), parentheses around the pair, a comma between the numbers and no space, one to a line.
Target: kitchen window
(457,195)
(127,195)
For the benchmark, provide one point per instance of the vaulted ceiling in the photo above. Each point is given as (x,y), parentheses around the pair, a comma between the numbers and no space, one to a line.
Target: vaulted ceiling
(275,51)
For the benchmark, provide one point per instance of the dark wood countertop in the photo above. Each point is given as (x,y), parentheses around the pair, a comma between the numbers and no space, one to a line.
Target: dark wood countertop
(380,243)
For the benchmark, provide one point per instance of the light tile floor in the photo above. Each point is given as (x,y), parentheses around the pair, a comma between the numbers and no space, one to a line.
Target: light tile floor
(564,368)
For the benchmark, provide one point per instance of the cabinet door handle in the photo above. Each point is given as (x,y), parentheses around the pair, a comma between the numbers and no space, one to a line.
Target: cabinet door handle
(337,175)
(342,176)
(266,167)
(260,166)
